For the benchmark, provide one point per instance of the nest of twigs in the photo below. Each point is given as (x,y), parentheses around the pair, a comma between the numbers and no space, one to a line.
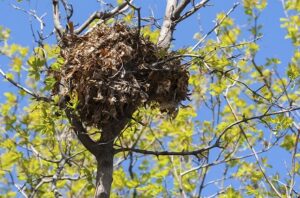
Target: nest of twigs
(113,71)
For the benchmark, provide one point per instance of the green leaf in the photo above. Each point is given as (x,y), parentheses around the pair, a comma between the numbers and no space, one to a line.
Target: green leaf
(8,159)
(288,142)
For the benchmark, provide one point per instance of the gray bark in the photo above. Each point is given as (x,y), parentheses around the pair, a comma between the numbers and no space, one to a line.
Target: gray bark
(105,156)
(104,171)
(173,15)
(167,28)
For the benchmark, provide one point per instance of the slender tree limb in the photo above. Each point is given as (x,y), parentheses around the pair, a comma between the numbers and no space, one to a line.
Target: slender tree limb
(55,177)
(138,10)
(49,179)
(81,132)
(258,117)
(215,27)
(222,161)
(168,25)
(20,189)
(250,145)
(40,156)
(158,153)
(195,8)
(33,14)
(180,7)
(102,15)
(203,176)
(173,17)
(34,95)
(293,168)
(200,151)
(56,18)
(68,8)
(178,176)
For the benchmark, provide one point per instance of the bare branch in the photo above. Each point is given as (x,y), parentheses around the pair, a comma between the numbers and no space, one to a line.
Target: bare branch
(181,7)
(259,117)
(293,168)
(68,8)
(34,15)
(217,162)
(81,132)
(215,27)
(103,16)
(56,18)
(34,95)
(40,156)
(56,176)
(168,26)
(138,10)
(192,11)
(158,153)
(172,18)
(250,145)
(20,189)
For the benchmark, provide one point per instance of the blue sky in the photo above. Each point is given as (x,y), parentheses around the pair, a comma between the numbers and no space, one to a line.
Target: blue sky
(272,44)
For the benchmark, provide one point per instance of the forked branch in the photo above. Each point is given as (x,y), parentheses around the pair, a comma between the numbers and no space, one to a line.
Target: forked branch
(56,18)
(102,16)
(81,132)
(173,15)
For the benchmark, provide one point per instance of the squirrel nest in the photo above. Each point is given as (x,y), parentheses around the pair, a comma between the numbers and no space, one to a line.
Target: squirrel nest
(113,71)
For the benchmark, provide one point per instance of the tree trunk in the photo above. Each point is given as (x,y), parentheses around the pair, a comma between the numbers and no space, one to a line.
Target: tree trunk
(104,171)
(167,28)
(104,152)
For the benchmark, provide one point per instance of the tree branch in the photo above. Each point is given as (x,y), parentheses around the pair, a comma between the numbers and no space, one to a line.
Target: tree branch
(245,120)
(172,18)
(102,15)
(180,8)
(215,27)
(138,10)
(34,15)
(293,168)
(192,11)
(34,95)
(56,18)
(68,8)
(250,145)
(81,132)
(168,26)
(158,153)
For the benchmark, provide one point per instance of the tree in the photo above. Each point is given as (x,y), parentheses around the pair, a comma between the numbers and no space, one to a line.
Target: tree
(55,143)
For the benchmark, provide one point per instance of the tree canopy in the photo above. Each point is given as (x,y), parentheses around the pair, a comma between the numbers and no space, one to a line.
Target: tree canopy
(116,106)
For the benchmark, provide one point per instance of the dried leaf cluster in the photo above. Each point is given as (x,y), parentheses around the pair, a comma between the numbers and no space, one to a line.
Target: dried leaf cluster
(113,71)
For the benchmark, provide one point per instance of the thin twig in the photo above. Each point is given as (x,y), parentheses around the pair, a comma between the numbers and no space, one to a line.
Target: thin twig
(245,120)
(38,155)
(138,10)
(102,15)
(20,189)
(195,8)
(34,95)
(68,8)
(223,161)
(249,144)
(158,153)
(215,27)
(56,18)
(293,168)
(33,14)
